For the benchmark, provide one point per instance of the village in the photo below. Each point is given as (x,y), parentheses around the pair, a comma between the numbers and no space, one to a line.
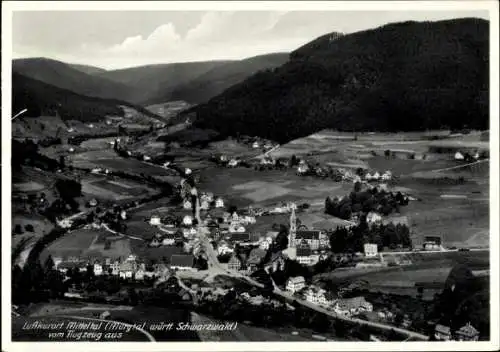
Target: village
(240,250)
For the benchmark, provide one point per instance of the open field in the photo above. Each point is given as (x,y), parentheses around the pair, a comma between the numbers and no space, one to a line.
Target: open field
(100,143)
(105,160)
(347,147)
(24,187)
(88,243)
(241,188)
(460,221)
(113,188)
(431,268)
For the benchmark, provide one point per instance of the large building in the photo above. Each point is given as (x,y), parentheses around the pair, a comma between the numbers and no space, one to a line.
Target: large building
(312,237)
(295,284)
(371,250)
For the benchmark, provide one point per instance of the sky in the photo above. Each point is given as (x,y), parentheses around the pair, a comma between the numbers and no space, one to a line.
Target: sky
(120,39)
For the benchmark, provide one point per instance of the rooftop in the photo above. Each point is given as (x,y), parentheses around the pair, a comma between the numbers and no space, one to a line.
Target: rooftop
(296,279)
(442,329)
(308,234)
(350,303)
(183,260)
(468,330)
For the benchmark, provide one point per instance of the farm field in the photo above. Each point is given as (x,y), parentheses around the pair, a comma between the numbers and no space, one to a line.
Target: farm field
(25,187)
(462,220)
(347,147)
(100,143)
(259,188)
(88,243)
(432,268)
(108,160)
(114,189)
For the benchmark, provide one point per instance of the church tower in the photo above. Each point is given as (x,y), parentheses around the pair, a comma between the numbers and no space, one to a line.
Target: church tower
(293,227)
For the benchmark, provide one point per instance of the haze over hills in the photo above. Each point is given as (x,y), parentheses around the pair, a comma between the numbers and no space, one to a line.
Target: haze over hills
(146,85)
(154,82)
(91,70)
(401,76)
(65,76)
(215,81)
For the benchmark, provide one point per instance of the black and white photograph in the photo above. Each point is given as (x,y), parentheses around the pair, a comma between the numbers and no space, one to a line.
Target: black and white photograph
(315,176)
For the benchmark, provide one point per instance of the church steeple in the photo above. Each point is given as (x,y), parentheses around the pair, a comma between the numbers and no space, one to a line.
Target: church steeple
(293,227)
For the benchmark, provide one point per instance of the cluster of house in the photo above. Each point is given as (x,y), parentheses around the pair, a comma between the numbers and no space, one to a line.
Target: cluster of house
(129,268)
(465,333)
(376,176)
(205,200)
(319,296)
(466,156)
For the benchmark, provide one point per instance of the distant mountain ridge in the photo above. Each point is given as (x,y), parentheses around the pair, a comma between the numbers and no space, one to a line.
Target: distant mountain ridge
(401,76)
(219,78)
(91,70)
(154,82)
(193,82)
(66,76)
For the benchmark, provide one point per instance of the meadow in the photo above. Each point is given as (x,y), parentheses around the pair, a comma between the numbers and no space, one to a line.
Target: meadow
(243,187)
(428,268)
(85,243)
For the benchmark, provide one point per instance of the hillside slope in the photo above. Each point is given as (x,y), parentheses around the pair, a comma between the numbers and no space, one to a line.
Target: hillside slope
(44,99)
(215,81)
(401,76)
(62,75)
(90,70)
(153,83)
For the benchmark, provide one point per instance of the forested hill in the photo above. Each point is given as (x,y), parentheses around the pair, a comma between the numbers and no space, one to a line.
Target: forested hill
(401,76)
(215,81)
(44,99)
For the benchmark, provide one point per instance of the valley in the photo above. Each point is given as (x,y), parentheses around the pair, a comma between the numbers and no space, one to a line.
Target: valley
(338,192)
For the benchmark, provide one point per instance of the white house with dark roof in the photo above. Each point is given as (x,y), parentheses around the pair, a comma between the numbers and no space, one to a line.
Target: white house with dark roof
(317,295)
(168,239)
(373,218)
(127,269)
(442,332)
(155,220)
(187,204)
(98,270)
(219,202)
(224,248)
(295,284)
(187,220)
(352,306)
(312,237)
(371,250)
